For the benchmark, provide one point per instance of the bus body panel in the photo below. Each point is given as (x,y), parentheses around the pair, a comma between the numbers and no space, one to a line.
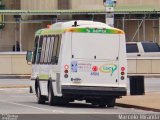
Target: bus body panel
(123,61)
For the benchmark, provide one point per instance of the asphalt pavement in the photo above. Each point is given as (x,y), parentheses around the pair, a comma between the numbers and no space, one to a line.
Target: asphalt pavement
(19,101)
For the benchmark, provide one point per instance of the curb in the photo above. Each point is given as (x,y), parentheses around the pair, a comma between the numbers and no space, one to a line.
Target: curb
(15,76)
(137,107)
(15,86)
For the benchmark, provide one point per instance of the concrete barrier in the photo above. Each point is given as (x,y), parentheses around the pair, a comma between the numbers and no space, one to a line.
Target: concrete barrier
(14,63)
(144,66)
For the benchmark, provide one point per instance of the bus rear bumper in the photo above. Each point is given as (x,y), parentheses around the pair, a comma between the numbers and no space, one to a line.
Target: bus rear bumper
(82,91)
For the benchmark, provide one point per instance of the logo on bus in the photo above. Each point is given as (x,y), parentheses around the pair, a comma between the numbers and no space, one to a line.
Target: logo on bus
(108,68)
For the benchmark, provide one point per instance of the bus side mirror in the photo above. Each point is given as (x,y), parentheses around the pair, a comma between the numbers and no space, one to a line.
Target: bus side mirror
(29,56)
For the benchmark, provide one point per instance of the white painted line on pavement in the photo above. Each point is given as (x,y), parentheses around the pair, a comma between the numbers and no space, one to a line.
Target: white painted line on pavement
(21,96)
(54,111)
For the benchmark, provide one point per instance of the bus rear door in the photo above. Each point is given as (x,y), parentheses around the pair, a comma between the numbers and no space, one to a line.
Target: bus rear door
(95,59)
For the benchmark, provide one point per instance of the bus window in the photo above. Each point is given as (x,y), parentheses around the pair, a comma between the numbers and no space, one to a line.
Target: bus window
(39,50)
(59,45)
(56,49)
(47,48)
(46,52)
(35,49)
(50,49)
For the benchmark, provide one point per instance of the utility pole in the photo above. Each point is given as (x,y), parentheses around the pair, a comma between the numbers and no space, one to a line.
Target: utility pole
(109,7)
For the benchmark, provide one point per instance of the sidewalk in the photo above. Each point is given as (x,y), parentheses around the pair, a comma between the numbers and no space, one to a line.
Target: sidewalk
(149,101)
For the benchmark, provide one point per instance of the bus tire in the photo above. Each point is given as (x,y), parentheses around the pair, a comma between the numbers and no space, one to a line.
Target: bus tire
(40,98)
(102,105)
(111,102)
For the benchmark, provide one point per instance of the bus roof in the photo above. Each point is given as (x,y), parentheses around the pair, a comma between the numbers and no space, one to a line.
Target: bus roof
(79,26)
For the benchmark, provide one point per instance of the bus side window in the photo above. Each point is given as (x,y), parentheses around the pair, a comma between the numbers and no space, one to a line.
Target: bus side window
(35,49)
(59,45)
(48,50)
(45,48)
(56,49)
(39,54)
(51,44)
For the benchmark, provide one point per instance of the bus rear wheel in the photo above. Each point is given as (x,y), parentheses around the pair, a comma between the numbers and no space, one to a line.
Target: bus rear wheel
(102,105)
(111,102)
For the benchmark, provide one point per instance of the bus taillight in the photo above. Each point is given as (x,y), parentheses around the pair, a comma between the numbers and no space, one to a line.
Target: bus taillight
(122,73)
(66,71)
(66,67)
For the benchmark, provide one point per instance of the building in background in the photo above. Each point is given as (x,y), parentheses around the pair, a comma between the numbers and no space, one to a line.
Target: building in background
(140,19)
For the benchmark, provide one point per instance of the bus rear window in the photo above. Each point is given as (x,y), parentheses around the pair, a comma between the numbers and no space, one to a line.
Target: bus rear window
(95,46)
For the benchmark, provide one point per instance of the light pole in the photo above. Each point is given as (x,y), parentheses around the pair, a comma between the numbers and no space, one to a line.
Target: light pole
(109,7)
(18,43)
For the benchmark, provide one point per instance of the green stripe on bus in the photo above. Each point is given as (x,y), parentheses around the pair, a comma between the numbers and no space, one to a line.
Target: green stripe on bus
(80,30)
